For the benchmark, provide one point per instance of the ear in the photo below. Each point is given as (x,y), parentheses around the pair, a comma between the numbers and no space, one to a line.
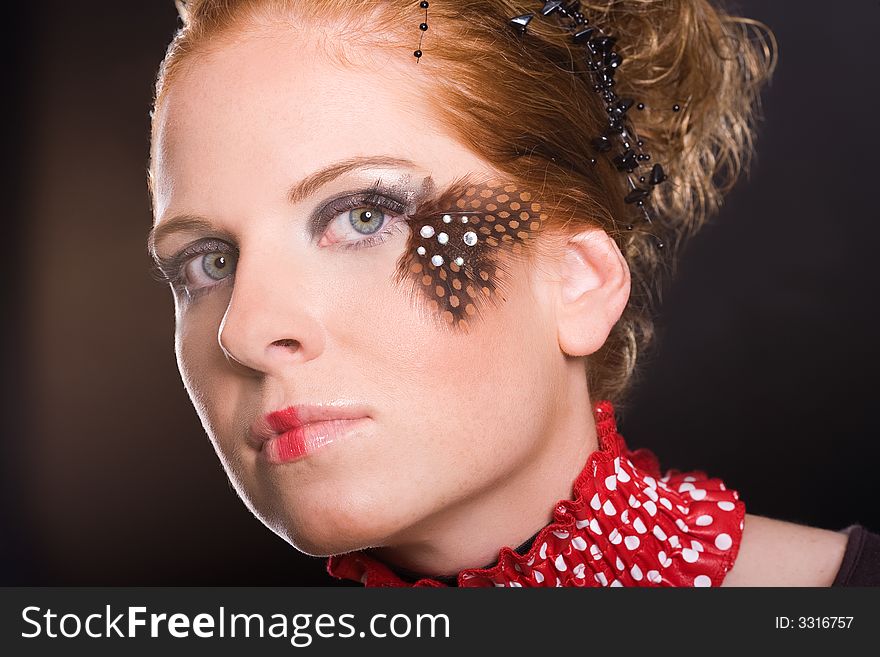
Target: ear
(592,290)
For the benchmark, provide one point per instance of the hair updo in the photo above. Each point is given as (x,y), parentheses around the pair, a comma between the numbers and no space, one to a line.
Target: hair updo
(526,105)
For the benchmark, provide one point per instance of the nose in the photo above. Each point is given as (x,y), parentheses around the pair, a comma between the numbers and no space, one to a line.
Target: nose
(271,320)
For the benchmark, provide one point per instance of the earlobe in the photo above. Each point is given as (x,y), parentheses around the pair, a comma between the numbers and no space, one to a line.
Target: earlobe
(594,288)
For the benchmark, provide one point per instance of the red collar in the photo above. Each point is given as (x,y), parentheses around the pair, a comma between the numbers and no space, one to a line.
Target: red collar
(624,525)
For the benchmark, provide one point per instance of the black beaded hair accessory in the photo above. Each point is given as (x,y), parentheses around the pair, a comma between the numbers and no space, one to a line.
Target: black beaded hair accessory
(423,27)
(620,136)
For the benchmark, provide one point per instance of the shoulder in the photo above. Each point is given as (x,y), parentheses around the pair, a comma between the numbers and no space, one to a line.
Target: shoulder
(780,553)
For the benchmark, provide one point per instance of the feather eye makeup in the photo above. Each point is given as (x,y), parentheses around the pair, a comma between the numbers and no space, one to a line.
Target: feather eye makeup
(462,244)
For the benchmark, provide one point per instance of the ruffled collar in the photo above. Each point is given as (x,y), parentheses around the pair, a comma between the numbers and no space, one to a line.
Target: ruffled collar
(624,525)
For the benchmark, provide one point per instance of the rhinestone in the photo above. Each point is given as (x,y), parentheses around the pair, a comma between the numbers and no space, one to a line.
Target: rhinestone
(427,231)
(470,238)
(436,260)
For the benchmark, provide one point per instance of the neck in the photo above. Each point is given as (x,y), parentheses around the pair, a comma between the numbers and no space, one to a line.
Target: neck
(510,509)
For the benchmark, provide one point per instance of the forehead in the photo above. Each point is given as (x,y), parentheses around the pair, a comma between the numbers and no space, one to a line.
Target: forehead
(275,106)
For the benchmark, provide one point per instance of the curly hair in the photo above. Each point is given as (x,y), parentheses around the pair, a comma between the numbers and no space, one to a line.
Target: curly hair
(527,106)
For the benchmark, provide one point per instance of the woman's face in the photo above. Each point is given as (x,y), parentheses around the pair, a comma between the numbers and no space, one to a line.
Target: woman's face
(316,319)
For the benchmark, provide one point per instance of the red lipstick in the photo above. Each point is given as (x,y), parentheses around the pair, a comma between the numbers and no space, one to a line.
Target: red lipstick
(298,431)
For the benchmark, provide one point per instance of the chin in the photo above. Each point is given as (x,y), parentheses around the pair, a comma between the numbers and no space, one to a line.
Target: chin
(322,527)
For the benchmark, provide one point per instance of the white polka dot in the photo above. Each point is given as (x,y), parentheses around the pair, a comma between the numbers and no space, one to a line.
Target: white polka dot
(530,561)
(443,238)
(600,577)
(596,552)
(673,541)
(447,218)
(654,576)
(624,516)
(651,493)
(659,533)
(437,260)
(470,238)
(685,487)
(560,534)
(726,506)
(623,476)
(665,561)
(723,541)
(515,585)
(579,571)
(651,482)
(616,463)
(631,542)
(517,568)
(580,524)
(683,509)
(689,478)
(427,231)
(681,525)
(619,564)
(421,250)
(636,573)
(608,508)
(539,576)
(698,494)
(501,584)
(704,520)
(611,482)
(543,552)
(696,545)
(633,502)
(595,503)
(651,508)
(594,527)
(615,537)
(690,555)
(559,562)
(558,582)
(639,526)
(616,583)
(702,580)
(578,543)
(666,503)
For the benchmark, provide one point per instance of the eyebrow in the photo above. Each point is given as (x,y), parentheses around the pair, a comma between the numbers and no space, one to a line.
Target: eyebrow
(296,194)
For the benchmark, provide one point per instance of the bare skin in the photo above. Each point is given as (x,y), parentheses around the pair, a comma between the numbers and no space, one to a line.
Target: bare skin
(779,553)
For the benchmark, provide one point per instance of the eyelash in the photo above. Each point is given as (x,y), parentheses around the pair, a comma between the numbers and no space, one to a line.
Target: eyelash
(171,270)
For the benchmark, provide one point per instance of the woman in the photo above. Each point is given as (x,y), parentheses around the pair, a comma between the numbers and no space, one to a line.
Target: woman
(412,247)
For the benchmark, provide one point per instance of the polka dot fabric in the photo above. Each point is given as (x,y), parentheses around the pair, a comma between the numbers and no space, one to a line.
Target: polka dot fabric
(625,526)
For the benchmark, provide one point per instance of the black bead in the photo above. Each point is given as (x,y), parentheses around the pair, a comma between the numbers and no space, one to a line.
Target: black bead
(622,106)
(640,106)
(423,27)
(640,143)
(602,144)
(613,60)
(550,6)
(520,22)
(637,194)
(423,5)
(602,44)
(676,107)
(625,160)
(641,179)
(418,53)
(657,174)
(584,35)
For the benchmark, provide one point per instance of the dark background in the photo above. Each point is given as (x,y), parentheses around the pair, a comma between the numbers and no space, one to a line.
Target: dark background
(764,375)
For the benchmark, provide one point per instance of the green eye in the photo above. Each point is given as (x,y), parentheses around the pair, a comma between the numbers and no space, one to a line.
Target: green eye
(366,220)
(218,265)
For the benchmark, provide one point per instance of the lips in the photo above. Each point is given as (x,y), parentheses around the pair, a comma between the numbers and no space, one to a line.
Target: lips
(298,431)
